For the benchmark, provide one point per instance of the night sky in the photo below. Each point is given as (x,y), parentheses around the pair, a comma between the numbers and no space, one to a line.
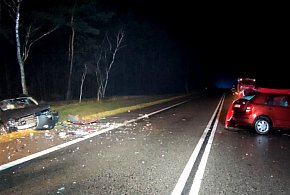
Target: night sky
(219,42)
(231,40)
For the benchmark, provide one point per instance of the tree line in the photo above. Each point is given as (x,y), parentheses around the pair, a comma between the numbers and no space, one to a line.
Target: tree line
(85,49)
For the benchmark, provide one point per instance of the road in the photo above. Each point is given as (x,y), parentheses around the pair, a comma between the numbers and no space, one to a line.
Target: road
(181,150)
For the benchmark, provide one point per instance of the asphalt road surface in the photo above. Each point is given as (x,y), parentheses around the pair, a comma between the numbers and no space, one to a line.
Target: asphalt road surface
(181,150)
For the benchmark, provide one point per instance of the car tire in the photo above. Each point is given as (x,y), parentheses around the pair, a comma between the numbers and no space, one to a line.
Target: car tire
(262,125)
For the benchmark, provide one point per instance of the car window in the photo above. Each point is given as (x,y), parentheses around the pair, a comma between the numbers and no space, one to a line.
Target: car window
(277,100)
(248,97)
(16,103)
(284,101)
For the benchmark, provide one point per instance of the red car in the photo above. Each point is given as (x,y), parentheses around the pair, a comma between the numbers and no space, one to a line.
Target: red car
(263,109)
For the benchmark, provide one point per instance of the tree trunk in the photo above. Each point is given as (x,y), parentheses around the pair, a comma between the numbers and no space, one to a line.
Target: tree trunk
(82,82)
(71,59)
(18,47)
(99,77)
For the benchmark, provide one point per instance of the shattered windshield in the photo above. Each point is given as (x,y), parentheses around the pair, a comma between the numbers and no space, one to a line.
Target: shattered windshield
(16,103)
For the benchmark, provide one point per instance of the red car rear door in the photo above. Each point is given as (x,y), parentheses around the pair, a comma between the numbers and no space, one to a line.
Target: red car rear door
(280,112)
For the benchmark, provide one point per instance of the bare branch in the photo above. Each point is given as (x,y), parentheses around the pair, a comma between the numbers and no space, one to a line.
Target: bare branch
(11,5)
(107,56)
(25,52)
(119,40)
(12,8)
(27,48)
(109,42)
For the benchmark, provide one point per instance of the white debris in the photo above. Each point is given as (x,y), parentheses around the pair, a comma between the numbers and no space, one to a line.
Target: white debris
(62,134)
(61,190)
(79,133)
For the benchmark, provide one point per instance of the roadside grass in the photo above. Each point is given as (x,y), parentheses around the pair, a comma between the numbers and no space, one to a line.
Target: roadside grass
(92,110)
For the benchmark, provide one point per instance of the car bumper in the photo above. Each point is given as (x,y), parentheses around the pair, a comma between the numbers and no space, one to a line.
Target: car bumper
(241,121)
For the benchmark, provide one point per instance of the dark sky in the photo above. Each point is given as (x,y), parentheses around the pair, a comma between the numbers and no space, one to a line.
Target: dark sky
(226,40)
(237,39)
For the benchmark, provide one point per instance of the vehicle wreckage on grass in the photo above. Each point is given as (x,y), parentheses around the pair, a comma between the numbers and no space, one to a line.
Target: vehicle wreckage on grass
(26,113)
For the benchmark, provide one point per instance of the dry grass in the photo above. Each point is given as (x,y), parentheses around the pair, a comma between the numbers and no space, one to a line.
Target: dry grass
(89,110)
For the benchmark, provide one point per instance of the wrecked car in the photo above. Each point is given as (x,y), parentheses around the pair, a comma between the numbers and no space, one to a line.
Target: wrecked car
(26,113)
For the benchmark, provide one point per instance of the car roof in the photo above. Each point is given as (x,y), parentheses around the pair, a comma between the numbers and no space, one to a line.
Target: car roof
(16,97)
(273,91)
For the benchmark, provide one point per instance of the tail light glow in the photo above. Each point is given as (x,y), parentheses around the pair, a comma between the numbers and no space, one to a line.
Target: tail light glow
(249,109)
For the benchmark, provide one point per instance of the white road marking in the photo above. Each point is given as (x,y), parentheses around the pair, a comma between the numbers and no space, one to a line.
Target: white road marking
(200,171)
(186,172)
(58,147)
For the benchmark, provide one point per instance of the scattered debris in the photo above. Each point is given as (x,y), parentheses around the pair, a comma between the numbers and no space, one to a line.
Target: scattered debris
(30,142)
(61,190)
(77,120)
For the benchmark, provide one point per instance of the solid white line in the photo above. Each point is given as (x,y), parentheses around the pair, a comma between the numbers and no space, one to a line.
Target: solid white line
(201,168)
(58,147)
(185,174)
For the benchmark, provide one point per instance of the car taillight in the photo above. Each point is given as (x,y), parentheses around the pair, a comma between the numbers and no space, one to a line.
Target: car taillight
(249,109)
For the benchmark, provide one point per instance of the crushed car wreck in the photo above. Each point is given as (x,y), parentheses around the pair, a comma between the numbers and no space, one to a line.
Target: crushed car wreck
(25,113)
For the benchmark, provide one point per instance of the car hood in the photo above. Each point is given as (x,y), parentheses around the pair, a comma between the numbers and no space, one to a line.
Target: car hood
(22,112)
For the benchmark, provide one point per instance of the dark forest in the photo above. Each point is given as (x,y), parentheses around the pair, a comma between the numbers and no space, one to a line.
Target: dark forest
(148,61)
(99,48)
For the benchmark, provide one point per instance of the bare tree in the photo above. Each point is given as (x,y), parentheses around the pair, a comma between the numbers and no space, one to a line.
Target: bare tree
(105,61)
(99,76)
(22,50)
(71,52)
(85,70)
